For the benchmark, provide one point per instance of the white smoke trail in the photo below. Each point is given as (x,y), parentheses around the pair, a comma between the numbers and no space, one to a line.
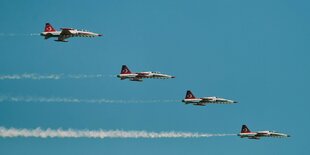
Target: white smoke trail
(86,76)
(4,98)
(71,133)
(34,34)
(31,76)
(18,34)
(36,76)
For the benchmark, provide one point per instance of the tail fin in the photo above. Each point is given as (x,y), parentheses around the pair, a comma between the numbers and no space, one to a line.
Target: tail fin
(189,95)
(49,28)
(125,70)
(245,129)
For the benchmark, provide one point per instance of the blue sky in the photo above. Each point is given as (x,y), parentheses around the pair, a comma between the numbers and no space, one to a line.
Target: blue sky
(255,52)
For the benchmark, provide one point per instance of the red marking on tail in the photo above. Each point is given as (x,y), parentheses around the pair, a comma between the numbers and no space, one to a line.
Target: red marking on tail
(49,28)
(125,70)
(189,95)
(245,129)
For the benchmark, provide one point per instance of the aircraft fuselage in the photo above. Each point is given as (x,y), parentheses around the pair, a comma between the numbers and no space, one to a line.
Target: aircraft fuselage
(260,134)
(65,33)
(141,75)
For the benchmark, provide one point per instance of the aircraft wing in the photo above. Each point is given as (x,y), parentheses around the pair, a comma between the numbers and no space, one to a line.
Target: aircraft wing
(217,101)
(200,104)
(62,38)
(65,32)
(161,76)
(142,75)
(263,134)
(254,137)
(153,75)
(136,79)
(279,135)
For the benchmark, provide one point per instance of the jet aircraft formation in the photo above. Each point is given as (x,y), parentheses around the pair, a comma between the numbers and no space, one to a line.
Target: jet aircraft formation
(125,73)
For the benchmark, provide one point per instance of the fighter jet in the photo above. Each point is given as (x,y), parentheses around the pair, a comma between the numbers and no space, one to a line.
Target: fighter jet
(191,99)
(139,76)
(65,33)
(246,133)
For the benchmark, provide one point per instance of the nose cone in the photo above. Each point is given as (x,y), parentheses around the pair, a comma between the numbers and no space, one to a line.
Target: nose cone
(99,35)
(183,100)
(172,77)
(118,76)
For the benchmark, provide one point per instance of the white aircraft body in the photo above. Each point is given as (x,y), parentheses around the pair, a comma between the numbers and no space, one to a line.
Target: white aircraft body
(191,99)
(139,76)
(246,133)
(65,33)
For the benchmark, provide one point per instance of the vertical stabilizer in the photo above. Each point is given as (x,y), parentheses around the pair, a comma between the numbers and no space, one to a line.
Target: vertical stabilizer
(49,28)
(189,95)
(245,129)
(125,70)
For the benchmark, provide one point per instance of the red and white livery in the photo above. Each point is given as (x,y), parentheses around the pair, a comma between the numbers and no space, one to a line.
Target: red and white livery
(191,99)
(65,33)
(139,76)
(246,133)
